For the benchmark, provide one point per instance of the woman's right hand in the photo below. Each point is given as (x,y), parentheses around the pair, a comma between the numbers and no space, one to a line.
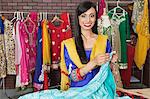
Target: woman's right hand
(101,58)
(98,60)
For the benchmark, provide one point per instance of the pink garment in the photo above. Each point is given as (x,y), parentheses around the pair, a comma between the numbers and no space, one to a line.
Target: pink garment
(31,32)
(34,16)
(101,6)
(24,63)
(28,37)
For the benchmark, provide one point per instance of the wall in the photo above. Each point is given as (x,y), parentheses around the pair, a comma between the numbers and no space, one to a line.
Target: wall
(52,6)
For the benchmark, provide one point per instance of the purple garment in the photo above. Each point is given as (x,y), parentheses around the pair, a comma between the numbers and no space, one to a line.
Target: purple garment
(89,75)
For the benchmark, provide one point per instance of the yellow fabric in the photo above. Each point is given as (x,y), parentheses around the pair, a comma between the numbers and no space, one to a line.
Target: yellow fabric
(142,45)
(99,47)
(45,43)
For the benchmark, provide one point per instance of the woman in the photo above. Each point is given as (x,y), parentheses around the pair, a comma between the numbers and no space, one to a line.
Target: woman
(79,63)
(81,59)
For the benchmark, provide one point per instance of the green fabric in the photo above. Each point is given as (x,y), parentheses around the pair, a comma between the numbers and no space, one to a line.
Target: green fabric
(124,29)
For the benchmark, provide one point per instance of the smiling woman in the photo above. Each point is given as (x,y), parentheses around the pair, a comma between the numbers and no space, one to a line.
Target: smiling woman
(85,61)
(82,55)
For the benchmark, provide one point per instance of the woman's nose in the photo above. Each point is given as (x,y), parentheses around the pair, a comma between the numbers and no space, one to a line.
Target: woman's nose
(88,19)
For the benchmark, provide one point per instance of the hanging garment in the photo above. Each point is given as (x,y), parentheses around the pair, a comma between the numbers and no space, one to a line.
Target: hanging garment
(137,12)
(58,34)
(45,43)
(9,47)
(116,43)
(2,51)
(124,29)
(101,6)
(18,52)
(126,73)
(28,37)
(104,27)
(65,17)
(31,30)
(38,73)
(45,51)
(142,45)
(24,62)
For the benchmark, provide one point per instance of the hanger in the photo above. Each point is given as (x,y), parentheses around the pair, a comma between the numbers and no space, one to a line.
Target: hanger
(56,18)
(22,16)
(18,16)
(0,14)
(30,34)
(41,17)
(117,8)
(45,15)
(14,17)
(30,20)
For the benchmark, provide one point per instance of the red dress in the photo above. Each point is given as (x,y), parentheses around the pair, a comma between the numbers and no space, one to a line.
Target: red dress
(126,73)
(57,35)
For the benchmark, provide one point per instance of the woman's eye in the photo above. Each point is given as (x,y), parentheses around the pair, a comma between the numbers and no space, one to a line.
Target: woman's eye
(83,16)
(92,16)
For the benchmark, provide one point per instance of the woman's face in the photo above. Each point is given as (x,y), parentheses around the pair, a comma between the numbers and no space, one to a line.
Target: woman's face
(87,19)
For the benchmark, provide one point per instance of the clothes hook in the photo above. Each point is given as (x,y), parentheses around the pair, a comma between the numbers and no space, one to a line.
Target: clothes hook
(22,16)
(41,17)
(118,3)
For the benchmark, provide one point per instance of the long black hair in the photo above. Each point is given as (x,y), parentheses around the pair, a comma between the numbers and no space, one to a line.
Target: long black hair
(83,7)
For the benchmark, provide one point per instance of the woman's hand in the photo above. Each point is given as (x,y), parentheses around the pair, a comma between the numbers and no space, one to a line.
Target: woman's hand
(102,58)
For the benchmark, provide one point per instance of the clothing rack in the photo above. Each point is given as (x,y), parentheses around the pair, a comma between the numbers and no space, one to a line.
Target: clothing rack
(121,2)
(2,81)
(9,12)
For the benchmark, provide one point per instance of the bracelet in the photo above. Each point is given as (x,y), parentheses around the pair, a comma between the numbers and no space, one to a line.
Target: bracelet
(78,74)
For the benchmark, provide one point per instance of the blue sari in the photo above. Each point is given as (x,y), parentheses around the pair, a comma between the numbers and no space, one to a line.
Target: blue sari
(102,86)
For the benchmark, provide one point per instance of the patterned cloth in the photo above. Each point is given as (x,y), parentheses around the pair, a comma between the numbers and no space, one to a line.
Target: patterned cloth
(58,34)
(142,29)
(9,47)
(2,57)
(123,27)
(38,74)
(2,51)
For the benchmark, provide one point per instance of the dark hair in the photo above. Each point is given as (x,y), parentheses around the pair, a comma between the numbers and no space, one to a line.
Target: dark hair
(83,7)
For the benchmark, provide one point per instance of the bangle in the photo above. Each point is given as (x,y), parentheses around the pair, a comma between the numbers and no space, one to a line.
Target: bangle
(78,74)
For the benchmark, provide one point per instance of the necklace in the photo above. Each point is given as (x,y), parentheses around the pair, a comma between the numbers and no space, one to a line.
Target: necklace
(30,34)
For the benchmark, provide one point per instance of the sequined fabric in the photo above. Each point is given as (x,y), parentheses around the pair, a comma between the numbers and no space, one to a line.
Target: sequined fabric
(9,47)
(2,57)
(2,51)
